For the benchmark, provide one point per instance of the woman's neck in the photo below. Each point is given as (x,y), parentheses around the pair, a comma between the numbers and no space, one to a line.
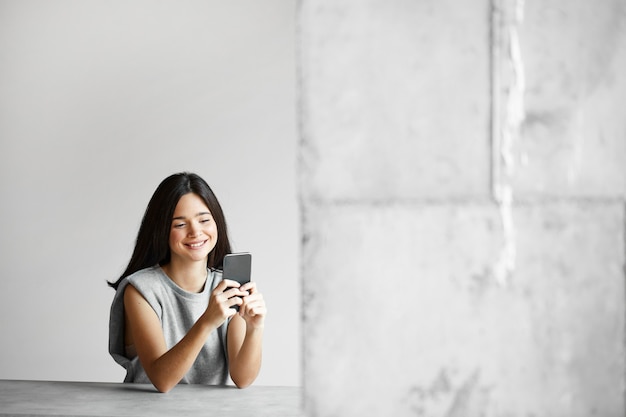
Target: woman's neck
(190,276)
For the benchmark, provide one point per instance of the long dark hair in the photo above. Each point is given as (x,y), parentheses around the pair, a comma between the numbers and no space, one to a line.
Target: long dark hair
(152,245)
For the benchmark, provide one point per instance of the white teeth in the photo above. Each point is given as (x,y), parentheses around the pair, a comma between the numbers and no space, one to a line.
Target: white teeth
(196,245)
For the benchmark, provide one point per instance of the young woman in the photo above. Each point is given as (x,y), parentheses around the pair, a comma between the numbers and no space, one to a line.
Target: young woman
(172,318)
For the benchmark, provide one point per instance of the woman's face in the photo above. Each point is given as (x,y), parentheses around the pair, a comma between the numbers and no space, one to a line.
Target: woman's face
(193,233)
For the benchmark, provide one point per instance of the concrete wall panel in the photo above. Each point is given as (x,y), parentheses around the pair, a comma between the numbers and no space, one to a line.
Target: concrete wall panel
(570,272)
(385,332)
(387,98)
(573,138)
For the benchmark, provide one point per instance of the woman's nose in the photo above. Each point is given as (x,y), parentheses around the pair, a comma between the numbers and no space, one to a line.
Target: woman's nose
(194,230)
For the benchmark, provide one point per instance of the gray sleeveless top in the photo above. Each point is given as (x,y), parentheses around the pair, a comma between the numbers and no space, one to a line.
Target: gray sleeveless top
(177,310)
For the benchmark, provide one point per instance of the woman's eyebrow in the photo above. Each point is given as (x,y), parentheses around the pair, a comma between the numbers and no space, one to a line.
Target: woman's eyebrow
(202,213)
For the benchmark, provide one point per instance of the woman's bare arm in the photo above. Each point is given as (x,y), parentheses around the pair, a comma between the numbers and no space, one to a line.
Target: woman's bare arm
(166,368)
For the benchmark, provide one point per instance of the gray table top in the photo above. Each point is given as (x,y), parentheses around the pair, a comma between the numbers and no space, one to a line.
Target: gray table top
(49,398)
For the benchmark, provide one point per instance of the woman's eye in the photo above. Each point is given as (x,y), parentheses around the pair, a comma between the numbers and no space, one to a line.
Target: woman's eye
(205,220)
(179,225)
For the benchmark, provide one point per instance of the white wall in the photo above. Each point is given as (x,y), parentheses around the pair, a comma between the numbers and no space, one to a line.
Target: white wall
(99,101)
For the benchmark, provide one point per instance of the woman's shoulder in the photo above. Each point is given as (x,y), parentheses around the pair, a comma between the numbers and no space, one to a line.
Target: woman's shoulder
(146,278)
(146,273)
(149,282)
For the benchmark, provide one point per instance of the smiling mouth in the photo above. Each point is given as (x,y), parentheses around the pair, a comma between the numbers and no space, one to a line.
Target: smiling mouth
(195,245)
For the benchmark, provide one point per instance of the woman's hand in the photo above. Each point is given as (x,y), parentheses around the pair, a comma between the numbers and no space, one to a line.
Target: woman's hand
(253,309)
(226,295)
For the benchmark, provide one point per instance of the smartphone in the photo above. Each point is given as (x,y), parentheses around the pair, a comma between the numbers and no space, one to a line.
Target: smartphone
(237,267)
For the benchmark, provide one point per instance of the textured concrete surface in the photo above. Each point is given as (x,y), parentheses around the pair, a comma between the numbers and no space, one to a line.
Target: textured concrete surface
(55,398)
(462,190)
(403,312)
(387,98)
(573,138)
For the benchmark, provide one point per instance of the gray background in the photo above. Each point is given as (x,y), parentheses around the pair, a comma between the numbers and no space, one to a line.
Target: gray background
(99,101)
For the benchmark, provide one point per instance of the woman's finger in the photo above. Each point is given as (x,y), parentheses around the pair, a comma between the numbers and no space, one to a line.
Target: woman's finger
(249,286)
(253,306)
(234,301)
(228,283)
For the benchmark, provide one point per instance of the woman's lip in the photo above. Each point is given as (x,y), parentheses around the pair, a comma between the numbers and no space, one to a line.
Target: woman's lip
(195,245)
